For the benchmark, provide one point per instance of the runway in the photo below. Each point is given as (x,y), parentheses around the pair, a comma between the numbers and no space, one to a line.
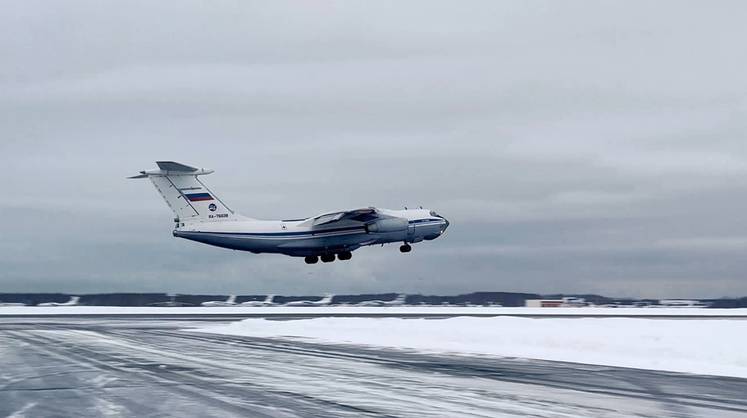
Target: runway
(152,366)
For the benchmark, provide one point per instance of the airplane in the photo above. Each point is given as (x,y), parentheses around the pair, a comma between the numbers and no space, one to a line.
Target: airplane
(72,302)
(231,301)
(203,217)
(267,302)
(172,302)
(398,301)
(321,302)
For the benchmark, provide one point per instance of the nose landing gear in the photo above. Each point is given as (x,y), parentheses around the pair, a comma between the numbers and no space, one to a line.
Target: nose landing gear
(406,248)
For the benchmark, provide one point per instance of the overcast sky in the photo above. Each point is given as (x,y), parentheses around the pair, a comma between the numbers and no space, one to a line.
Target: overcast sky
(575,146)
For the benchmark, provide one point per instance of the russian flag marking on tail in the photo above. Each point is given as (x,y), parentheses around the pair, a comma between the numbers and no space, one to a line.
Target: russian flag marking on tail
(198,197)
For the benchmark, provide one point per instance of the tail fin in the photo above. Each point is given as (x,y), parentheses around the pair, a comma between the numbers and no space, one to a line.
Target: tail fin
(327,299)
(185,194)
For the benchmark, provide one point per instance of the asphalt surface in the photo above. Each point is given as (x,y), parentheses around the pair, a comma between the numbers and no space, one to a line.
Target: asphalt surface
(140,367)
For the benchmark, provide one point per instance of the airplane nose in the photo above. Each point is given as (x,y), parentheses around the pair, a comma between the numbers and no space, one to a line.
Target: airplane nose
(446,225)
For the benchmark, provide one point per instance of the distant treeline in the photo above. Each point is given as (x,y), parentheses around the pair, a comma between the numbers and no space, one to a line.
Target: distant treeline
(147,299)
(507,299)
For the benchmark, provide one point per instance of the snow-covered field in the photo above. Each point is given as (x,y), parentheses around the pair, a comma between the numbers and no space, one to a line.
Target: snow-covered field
(358,310)
(707,346)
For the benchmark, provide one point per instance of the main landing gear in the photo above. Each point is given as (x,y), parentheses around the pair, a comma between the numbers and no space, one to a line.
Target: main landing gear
(345,255)
(328,258)
(406,248)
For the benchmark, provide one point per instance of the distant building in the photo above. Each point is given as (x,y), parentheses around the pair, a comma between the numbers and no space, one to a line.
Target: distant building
(544,303)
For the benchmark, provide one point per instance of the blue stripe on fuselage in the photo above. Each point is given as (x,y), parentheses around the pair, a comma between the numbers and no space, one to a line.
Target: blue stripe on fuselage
(284,234)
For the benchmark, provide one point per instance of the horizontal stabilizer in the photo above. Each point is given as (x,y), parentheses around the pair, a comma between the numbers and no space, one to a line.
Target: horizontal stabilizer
(171,169)
(174,166)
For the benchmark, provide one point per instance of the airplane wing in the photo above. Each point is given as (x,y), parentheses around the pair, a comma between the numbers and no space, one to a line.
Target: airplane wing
(360,215)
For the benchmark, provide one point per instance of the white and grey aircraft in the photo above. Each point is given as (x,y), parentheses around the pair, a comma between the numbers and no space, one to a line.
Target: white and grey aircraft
(72,302)
(267,302)
(321,302)
(231,301)
(398,301)
(203,217)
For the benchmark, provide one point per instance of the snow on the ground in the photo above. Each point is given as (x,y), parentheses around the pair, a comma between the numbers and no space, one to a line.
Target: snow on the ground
(703,346)
(360,310)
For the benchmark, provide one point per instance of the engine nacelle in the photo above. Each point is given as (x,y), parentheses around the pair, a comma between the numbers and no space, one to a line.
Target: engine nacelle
(383,226)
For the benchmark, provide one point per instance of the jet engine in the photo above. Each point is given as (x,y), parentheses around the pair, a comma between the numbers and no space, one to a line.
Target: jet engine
(388,225)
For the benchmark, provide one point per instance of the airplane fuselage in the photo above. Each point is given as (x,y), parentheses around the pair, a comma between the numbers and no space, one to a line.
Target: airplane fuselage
(297,238)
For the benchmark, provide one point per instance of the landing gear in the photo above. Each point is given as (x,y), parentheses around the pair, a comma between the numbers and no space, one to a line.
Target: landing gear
(406,248)
(345,255)
(328,258)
